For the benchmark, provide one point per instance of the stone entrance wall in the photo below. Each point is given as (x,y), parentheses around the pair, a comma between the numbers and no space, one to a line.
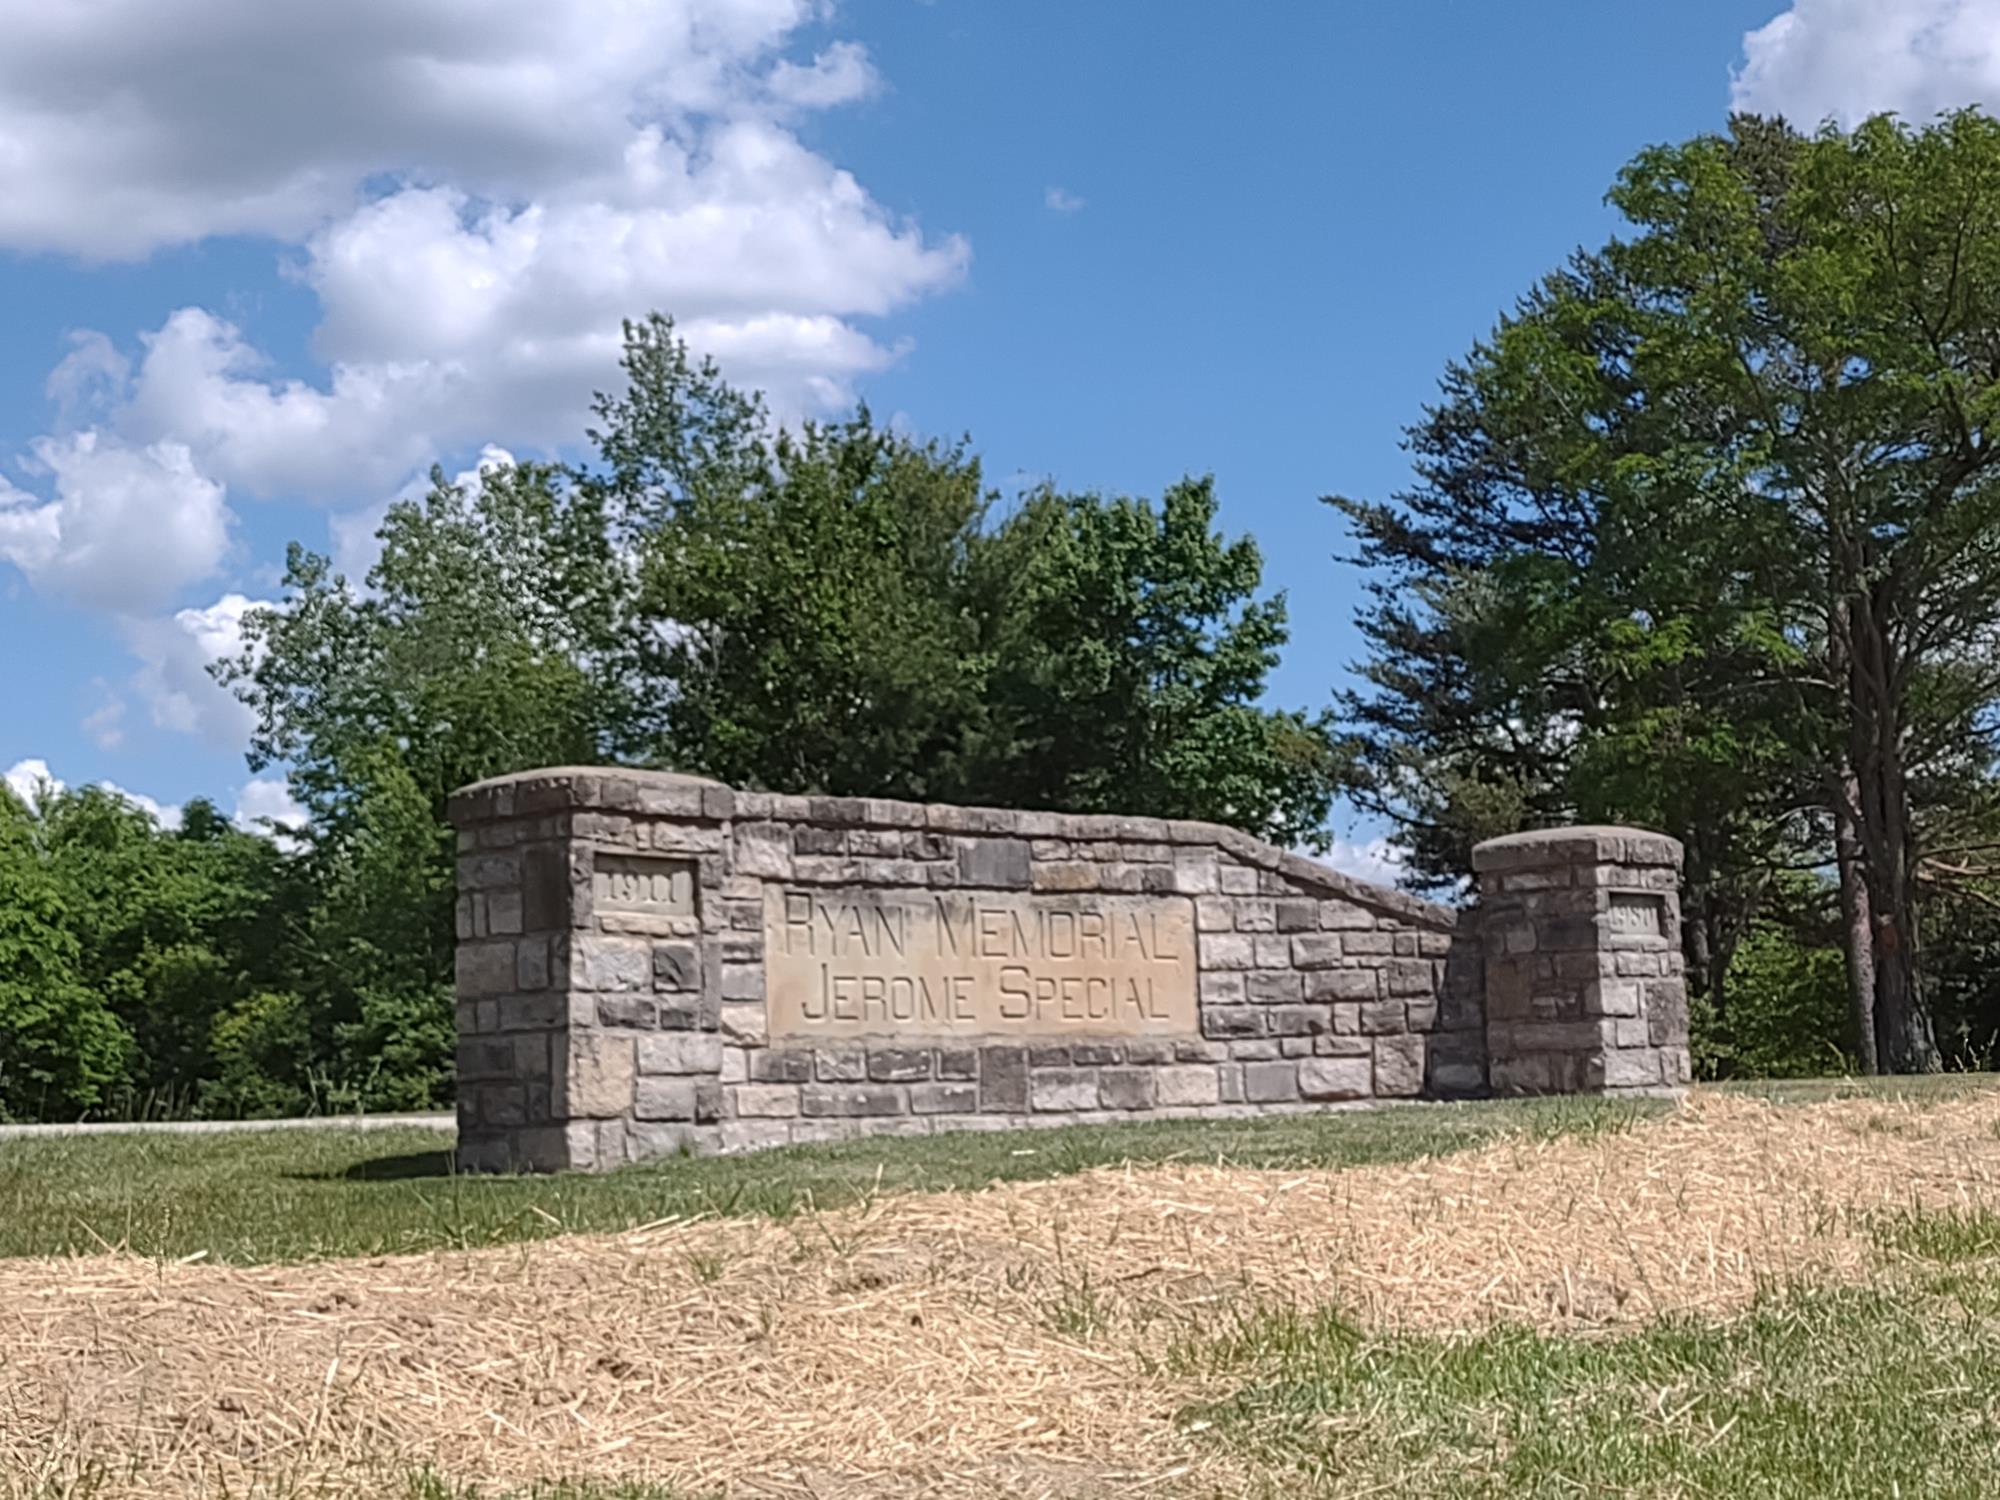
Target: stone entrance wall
(651,963)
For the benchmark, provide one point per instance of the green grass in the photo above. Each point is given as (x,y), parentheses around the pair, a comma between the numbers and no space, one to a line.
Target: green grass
(307,1194)
(1945,1237)
(1836,1393)
(1831,1393)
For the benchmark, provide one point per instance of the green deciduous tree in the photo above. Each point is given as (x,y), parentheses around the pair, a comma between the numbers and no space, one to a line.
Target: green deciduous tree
(1705,535)
(62,1051)
(1787,1014)
(813,626)
(489,634)
(1128,650)
(124,948)
(848,609)
(838,608)
(172,927)
(493,633)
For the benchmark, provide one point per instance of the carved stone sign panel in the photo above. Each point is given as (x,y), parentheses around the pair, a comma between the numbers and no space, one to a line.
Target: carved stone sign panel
(852,963)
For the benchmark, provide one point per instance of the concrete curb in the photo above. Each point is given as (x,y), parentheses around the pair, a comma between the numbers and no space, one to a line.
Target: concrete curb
(438,1122)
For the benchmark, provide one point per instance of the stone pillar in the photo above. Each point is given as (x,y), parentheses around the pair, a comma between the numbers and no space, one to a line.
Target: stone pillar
(588,974)
(1584,986)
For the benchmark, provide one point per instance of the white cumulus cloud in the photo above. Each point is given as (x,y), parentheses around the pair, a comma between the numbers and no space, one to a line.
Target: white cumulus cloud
(839,75)
(265,805)
(128,527)
(126,125)
(1376,861)
(105,724)
(173,679)
(1848,59)
(28,779)
(475,193)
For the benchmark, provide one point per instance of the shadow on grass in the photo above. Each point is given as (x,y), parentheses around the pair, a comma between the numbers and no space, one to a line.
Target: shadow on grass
(410,1167)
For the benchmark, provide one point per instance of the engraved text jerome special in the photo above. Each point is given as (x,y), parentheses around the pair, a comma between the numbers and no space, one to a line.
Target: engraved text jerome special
(849,963)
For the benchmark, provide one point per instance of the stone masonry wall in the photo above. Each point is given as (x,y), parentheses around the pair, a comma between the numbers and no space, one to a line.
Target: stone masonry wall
(1584,984)
(650,963)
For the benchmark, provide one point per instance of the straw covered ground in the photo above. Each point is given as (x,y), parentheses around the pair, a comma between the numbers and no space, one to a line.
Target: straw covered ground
(1027,1339)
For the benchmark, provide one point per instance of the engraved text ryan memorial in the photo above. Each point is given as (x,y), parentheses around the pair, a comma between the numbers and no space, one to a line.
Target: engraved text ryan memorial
(851,963)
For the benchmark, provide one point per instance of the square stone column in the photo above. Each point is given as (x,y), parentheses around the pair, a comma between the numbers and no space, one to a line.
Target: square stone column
(588,974)
(1585,992)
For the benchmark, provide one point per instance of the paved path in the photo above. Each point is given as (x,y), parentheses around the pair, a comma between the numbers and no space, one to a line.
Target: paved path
(222,1127)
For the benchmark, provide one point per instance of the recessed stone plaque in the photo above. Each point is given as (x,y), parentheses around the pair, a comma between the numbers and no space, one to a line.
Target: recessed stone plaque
(639,885)
(851,963)
(1636,914)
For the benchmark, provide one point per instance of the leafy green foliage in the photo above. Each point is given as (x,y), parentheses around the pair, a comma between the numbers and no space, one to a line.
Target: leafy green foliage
(125,947)
(1786,1015)
(379,947)
(61,1048)
(490,636)
(815,625)
(1962,968)
(843,609)
(1128,651)
(173,927)
(264,1057)
(1704,538)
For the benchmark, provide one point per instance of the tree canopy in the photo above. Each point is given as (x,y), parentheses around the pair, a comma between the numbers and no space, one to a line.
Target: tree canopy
(1704,538)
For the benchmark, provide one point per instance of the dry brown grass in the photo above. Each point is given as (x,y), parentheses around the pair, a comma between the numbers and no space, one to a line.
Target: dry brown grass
(1000,1342)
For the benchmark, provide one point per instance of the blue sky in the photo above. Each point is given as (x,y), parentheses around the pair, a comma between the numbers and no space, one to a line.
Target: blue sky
(261,269)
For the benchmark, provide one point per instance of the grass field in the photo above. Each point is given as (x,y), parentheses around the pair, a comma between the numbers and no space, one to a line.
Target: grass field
(1782,1293)
(1881,1390)
(304,1194)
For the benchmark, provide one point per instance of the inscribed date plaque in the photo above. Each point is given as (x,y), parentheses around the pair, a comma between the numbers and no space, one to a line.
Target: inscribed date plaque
(1633,914)
(639,885)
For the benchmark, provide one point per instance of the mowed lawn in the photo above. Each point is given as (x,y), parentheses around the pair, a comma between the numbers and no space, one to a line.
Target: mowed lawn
(1848,1346)
(287,1195)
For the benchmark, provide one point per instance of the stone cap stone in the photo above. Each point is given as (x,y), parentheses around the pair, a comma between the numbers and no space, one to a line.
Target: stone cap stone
(677,794)
(1589,843)
(567,788)
(598,773)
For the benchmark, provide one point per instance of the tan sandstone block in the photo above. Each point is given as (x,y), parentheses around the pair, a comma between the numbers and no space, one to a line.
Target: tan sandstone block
(598,1070)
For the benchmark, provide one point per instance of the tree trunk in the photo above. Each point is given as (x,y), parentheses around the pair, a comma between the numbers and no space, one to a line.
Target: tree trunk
(1698,934)
(1903,1039)
(1857,930)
